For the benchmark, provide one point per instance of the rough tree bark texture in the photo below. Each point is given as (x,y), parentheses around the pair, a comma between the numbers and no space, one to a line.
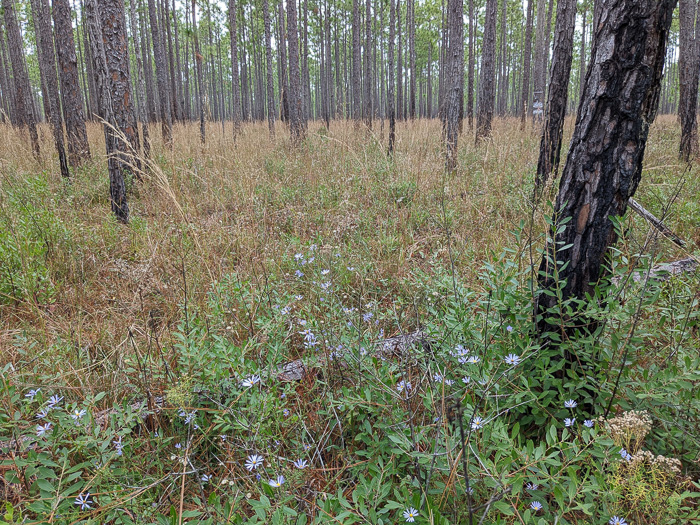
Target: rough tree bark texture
(106,89)
(73,114)
(604,165)
(23,103)
(392,84)
(525,98)
(166,120)
(270,80)
(297,125)
(455,56)
(47,67)
(689,74)
(116,49)
(540,52)
(553,130)
(368,65)
(487,77)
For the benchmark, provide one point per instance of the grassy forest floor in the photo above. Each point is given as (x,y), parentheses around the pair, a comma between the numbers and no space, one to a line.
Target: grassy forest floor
(243,256)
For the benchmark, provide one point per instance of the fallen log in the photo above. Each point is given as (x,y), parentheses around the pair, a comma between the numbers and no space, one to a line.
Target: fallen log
(656,223)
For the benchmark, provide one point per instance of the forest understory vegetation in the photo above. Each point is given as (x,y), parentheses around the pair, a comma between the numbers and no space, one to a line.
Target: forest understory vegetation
(165,340)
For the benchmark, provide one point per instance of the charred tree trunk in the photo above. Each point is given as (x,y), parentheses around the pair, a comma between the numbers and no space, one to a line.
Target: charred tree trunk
(550,144)
(115,147)
(47,68)
(78,148)
(487,74)
(688,74)
(23,102)
(604,165)
(455,56)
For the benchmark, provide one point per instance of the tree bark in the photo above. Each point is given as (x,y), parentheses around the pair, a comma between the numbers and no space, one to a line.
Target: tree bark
(688,75)
(604,165)
(525,98)
(166,119)
(356,64)
(296,110)
(270,80)
(235,81)
(455,10)
(411,5)
(200,80)
(368,65)
(23,102)
(140,85)
(550,144)
(392,84)
(78,147)
(487,75)
(470,73)
(47,68)
(106,89)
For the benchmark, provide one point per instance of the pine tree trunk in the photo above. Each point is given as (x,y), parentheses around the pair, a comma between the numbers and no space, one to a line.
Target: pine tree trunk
(200,80)
(296,124)
(525,99)
(284,77)
(604,165)
(399,64)
(538,90)
(688,75)
(470,74)
(550,144)
(142,109)
(78,148)
(487,75)
(412,60)
(6,101)
(356,64)
(233,32)
(22,90)
(117,52)
(161,75)
(178,66)
(101,45)
(455,13)
(392,83)
(368,65)
(47,67)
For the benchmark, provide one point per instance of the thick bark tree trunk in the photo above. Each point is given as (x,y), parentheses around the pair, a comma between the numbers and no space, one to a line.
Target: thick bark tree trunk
(117,52)
(550,144)
(688,75)
(470,73)
(487,74)
(604,165)
(23,101)
(78,148)
(106,89)
(47,68)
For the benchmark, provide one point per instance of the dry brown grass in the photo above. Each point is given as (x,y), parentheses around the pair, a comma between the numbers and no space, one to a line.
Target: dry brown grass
(247,206)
